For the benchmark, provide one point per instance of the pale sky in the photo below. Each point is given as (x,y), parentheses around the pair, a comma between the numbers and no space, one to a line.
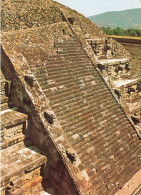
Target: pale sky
(93,7)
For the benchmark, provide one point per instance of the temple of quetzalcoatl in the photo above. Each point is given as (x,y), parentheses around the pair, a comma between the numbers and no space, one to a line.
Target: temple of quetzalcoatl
(70,105)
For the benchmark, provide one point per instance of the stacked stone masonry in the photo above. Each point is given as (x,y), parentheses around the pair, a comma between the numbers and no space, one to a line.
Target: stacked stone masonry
(57,101)
(20,171)
(125,83)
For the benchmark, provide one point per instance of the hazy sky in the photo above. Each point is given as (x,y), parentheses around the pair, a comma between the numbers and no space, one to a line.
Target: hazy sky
(92,7)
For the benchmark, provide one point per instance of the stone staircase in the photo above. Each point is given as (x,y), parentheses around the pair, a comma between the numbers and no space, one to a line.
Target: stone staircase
(21,162)
(65,78)
(121,74)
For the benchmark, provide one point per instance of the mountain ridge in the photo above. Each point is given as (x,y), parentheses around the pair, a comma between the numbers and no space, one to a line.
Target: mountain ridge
(114,19)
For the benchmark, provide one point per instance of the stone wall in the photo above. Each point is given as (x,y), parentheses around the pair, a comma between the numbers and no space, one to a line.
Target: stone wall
(21,15)
(55,174)
(22,97)
(74,117)
(85,29)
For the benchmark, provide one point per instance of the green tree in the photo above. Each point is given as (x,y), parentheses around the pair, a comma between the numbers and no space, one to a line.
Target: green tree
(122,32)
(119,31)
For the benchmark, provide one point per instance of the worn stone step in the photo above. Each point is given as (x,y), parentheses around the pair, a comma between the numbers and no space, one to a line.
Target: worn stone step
(2,92)
(50,69)
(4,106)
(61,56)
(113,61)
(125,82)
(7,151)
(68,58)
(98,135)
(74,119)
(11,141)
(2,85)
(25,159)
(60,82)
(80,103)
(71,52)
(82,126)
(76,104)
(79,61)
(73,64)
(21,170)
(2,78)
(13,135)
(1,75)
(13,128)
(118,152)
(67,44)
(129,89)
(4,99)
(11,117)
(67,54)
(73,100)
(71,49)
(135,107)
(66,93)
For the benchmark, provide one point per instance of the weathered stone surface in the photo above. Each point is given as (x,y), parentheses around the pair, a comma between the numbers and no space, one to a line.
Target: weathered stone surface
(74,117)
(21,15)
(19,164)
(132,186)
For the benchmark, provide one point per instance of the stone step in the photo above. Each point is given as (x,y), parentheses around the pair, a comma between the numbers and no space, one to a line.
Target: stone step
(7,141)
(1,75)
(68,56)
(60,67)
(113,61)
(3,85)
(125,82)
(115,67)
(129,89)
(11,117)
(21,171)
(68,47)
(135,107)
(13,128)
(4,99)
(2,93)
(63,61)
(67,44)
(71,49)
(4,106)
(69,53)
(14,148)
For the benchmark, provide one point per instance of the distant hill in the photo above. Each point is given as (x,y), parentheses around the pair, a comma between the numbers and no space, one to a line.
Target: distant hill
(124,19)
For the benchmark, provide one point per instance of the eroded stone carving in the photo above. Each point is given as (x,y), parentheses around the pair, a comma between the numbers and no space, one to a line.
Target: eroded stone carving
(30,79)
(49,115)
